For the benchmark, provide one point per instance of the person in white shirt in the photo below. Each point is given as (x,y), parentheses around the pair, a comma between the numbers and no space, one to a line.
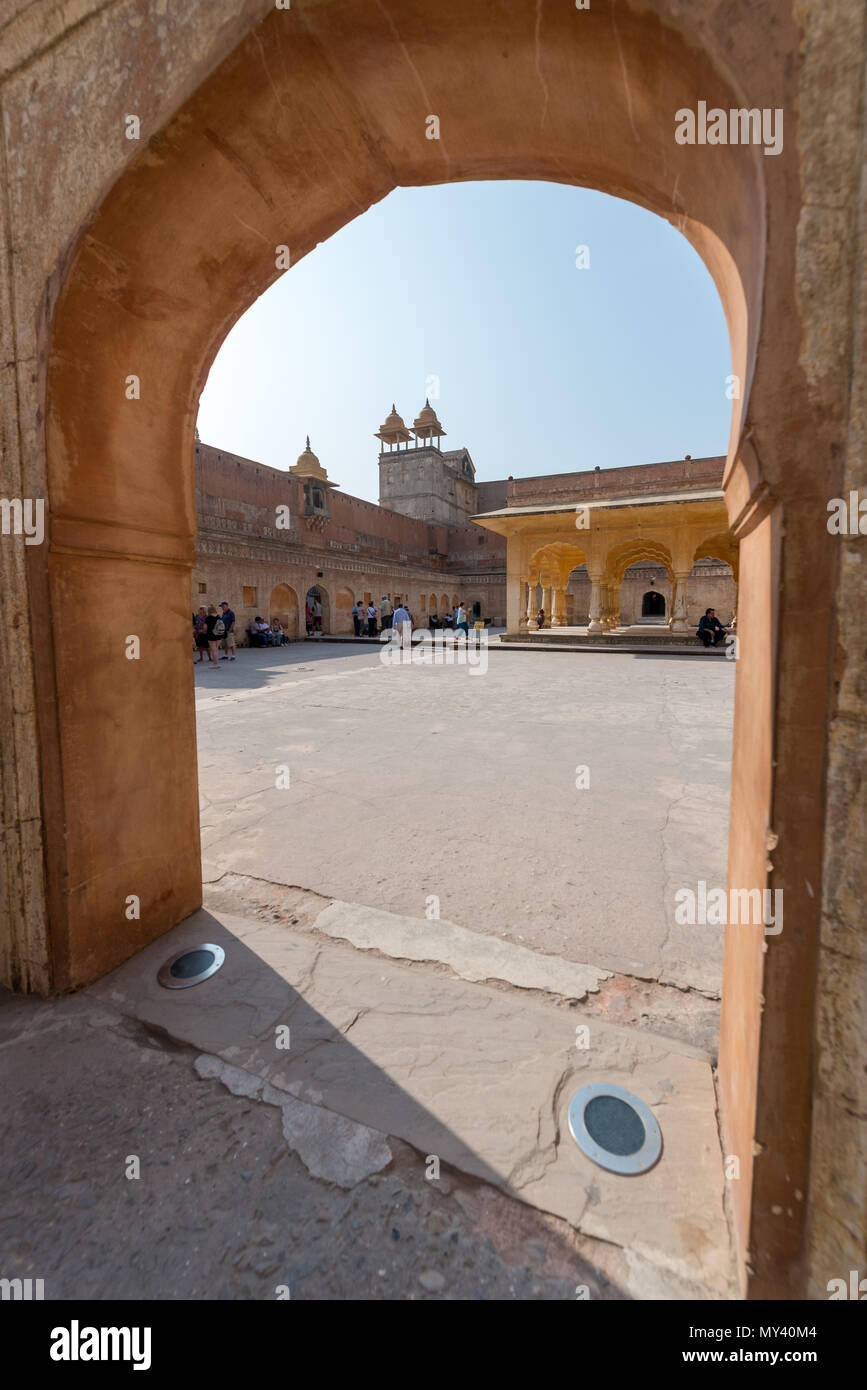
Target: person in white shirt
(402,624)
(386,612)
(371,619)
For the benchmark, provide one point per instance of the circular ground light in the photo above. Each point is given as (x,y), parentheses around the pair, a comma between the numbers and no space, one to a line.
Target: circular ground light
(191,966)
(614,1128)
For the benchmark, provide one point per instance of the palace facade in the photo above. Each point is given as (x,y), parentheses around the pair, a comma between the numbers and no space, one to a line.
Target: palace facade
(646,544)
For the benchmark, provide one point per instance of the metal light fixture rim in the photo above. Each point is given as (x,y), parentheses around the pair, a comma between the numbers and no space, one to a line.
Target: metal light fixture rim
(170,981)
(627,1165)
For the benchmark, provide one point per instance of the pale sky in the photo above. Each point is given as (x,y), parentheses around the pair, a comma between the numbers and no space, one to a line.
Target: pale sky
(470,293)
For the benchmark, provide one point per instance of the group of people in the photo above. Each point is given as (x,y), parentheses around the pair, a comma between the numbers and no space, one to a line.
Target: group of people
(366,617)
(213,630)
(369,621)
(264,634)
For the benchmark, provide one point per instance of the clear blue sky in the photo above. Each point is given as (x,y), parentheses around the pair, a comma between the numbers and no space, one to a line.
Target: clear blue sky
(542,367)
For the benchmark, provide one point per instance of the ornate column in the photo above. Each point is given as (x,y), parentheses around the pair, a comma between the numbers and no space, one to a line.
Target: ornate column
(558,608)
(595,623)
(678,602)
(547,600)
(613,606)
(531,604)
(607,608)
(516,606)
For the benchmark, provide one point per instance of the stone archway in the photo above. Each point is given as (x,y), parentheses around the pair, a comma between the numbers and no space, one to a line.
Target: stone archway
(318,593)
(166,265)
(652,604)
(283,605)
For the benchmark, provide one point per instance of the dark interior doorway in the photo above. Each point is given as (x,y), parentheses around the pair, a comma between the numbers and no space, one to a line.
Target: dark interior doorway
(653,604)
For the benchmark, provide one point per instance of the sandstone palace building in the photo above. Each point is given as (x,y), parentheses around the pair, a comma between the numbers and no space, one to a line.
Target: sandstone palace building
(598,549)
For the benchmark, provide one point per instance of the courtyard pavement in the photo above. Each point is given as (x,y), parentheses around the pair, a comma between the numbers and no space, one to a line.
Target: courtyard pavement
(433,937)
(406,784)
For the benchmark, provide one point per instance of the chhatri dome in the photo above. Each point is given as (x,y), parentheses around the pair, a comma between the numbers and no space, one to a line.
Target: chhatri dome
(308,466)
(393,430)
(426,425)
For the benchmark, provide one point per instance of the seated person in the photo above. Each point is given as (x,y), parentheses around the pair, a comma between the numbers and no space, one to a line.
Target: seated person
(710,630)
(433,622)
(277,636)
(258,633)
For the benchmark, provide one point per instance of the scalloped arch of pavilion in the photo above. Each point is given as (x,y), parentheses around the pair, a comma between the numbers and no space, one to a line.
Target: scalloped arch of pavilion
(544,544)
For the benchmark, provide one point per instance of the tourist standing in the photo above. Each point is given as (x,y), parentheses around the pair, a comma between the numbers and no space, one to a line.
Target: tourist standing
(308,618)
(317,616)
(200,629)
(386,613)
(215,632)
(229,639)
(402,625)
(371,619)
(357,618)
(462,621)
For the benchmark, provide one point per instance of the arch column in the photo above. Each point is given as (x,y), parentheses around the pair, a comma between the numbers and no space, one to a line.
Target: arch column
(678,601)
(531,603)
(607,608)
(558,607)
(595,615)
(516,609)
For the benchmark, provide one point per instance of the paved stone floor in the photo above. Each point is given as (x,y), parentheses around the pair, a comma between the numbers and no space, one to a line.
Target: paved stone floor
(307,1168)
(417,781)
(223,1208)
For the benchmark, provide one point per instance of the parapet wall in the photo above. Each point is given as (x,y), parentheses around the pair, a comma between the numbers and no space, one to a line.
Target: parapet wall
(679,475)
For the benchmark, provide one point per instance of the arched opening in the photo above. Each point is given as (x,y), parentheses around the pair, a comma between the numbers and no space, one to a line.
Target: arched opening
(120,476)
(283,606)
(549,575)
(723,550)
(653,604)
(317,610)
